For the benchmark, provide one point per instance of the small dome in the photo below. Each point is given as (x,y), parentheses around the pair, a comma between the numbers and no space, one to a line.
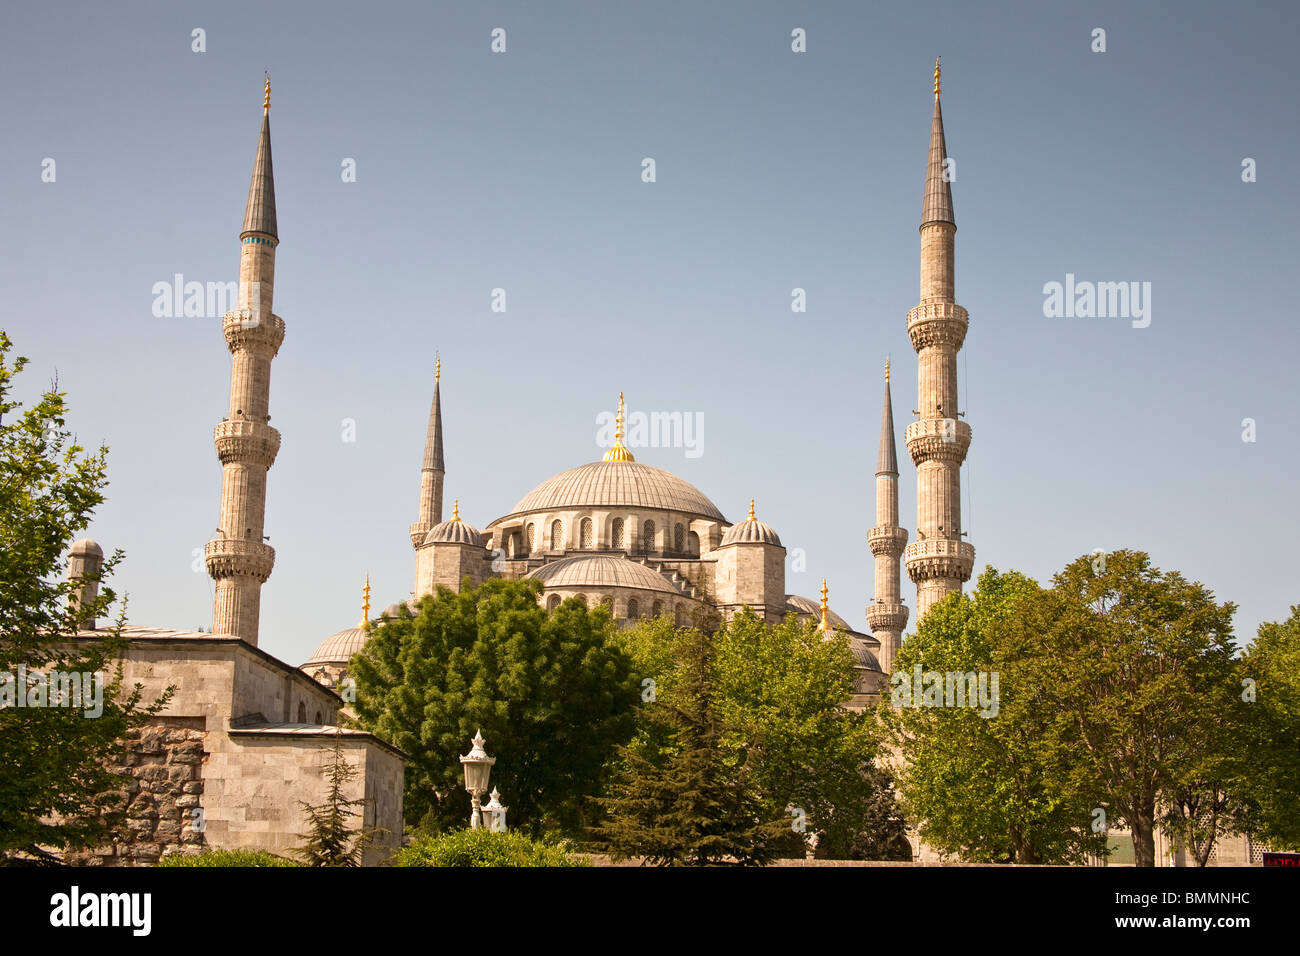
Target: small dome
(863,657)
(808,607)
(595,571)
(750,531)
(86,546)
(454,531)
(339,648)
(392,611)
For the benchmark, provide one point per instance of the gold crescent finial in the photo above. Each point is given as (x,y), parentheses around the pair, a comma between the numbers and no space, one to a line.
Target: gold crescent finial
(365,606)
(751,510)
(455,510)
(266,103)
(825,624)
(437,372)
(936,76)
(618,452)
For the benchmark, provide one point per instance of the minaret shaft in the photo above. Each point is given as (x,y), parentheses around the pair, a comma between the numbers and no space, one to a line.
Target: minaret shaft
(887,615)
(238,559)
(939,561)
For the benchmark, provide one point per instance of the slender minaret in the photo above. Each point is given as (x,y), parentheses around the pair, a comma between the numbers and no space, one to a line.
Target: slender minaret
(886,614)
(238,559)
(938,560)
(433,470)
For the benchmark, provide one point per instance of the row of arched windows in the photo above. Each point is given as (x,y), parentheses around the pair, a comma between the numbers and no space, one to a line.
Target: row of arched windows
(633,606)
(682,542)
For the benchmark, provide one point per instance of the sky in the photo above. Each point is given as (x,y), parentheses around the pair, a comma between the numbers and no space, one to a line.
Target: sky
(775,170)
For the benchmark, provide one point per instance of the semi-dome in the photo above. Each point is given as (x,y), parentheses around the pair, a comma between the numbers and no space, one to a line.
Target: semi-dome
(617,484)
(863,657)
(751,531)
(339,648)
(595,571)
(454,531)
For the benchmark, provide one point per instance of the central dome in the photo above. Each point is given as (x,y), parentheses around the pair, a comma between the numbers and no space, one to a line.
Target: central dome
(617,484)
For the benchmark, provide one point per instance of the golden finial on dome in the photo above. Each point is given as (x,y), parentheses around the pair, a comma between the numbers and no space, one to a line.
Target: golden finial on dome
(266,103)
(886,369)
(936,76)
(437,369)
(825,624)
(455,510)
(365,606)
(751,511)
(618,452)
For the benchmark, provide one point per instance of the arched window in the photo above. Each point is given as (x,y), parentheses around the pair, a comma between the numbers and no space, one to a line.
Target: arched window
(552,602)
(302,712)
(693,540)
(318,720)
(679,616)
(632,609)
(586,534)
(529,535)
(679,539)
(657,608)
(510,545)
(648,536)
(582,598)
(557,535)
(617,534)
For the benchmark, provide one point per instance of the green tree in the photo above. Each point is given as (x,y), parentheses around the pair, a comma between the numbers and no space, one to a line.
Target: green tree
(1269,779)
(56,789)
(331,838)
(552,692)
(781,693)
(684,802)
(976,778)
(1134,667)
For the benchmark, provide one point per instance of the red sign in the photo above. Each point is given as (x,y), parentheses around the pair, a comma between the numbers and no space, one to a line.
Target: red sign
(1282,859)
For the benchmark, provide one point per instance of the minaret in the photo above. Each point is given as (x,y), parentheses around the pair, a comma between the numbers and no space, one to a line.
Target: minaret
(238,559)
(433,470)
(939,561)
(886,614)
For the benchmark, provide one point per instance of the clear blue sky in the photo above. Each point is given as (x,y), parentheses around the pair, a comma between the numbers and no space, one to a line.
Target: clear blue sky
(775,170)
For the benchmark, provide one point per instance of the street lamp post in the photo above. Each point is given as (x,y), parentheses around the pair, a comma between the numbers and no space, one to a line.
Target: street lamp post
(478,767)
(495,813)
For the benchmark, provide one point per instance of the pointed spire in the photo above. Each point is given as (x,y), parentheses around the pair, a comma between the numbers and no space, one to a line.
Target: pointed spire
(887,462)
(825,624)
(751,511)
(365,606)
(259,213)
(455,510)
(618,452)
(433,460)
(937,206)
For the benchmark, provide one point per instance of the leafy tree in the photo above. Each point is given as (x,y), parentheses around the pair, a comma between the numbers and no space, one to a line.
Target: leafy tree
(552,692)
(1269,779)
(781,691)
(56,789)
(331,839)
(685,802)
(1134,667)
(977,779)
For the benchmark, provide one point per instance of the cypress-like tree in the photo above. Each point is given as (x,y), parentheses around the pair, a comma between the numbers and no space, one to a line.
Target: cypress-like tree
(683,801)
(331,840)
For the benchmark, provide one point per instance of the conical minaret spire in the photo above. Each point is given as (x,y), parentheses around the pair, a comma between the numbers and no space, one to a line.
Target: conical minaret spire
(939,561)
(238,559)
(433,470)
(886,614)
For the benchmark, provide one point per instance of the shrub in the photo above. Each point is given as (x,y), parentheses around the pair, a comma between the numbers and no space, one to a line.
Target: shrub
(483,848)
(227,858)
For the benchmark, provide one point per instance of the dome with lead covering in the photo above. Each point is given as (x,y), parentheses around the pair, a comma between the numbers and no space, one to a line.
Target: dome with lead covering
(617,484)
(595,571)
(339,648)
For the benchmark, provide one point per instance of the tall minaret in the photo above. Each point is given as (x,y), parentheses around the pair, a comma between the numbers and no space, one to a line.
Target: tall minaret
(938,560)
(238,559)
(433,470)
(887,615)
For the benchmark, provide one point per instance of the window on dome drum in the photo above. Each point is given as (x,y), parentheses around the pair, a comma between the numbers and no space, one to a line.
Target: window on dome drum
(582,598)
(557,535)
(632,609)
(679,539)
(657,608)
(528,538)
(648,536)
(552,602)
(302,712)
(617,535)
(586,534)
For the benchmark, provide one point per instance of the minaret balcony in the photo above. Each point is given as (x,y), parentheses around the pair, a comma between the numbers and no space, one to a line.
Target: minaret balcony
(887,540)
(253,330)
(227,557)
(939,558)
(937,439)
(937,323)
(887,617)
(246,441)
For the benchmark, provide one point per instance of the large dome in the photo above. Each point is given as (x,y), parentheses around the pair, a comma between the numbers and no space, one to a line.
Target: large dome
(601,570)
(617,484)
(339,648)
